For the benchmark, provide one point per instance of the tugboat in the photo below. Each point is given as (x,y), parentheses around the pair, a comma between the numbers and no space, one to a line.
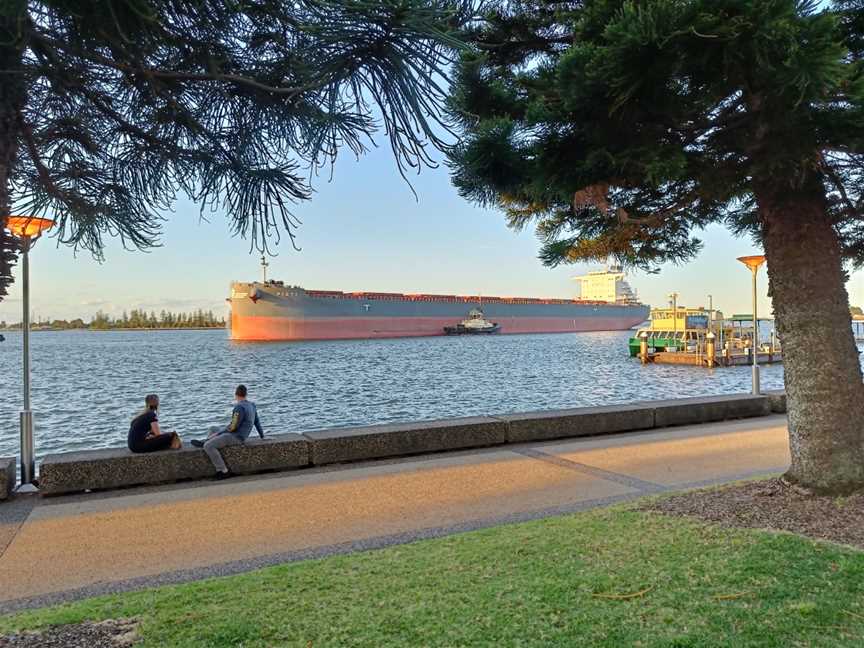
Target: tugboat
(476,324)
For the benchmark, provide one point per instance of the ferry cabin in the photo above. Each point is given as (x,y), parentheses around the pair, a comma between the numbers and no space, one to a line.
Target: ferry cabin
(674,329)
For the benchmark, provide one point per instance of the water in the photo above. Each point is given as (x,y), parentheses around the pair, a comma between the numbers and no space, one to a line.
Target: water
(88,385)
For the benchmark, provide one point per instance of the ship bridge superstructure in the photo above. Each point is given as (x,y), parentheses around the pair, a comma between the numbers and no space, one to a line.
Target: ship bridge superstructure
(607,286)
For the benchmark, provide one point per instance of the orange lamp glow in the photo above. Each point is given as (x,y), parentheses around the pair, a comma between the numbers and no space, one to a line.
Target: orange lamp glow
(28,226)
(752,262)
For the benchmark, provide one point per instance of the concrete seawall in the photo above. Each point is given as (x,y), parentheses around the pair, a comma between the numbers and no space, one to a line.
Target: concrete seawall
(7,476)
(104,469)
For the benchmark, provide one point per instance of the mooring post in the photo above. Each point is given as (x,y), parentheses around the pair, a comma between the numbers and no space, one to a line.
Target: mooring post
(643,347)
(709,349)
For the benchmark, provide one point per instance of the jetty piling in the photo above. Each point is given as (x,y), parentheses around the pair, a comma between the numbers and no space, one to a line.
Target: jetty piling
(643,347)
(709,351)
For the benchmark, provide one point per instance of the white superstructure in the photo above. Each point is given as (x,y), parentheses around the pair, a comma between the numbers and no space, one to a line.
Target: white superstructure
(607,285)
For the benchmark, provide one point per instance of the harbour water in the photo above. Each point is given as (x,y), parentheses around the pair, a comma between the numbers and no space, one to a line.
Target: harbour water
(87,385)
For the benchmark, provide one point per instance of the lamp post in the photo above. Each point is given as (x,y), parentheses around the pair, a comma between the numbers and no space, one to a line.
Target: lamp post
(264,266)
(27,229)
(753,262)
(673,298)
(710,313)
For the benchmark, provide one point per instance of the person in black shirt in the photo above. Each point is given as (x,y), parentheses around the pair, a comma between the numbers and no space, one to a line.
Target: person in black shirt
(144,432)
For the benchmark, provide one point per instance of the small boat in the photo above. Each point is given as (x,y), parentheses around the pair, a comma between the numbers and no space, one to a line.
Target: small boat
(476,324)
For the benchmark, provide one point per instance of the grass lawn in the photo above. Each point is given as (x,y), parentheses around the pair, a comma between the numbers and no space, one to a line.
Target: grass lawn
(546,583)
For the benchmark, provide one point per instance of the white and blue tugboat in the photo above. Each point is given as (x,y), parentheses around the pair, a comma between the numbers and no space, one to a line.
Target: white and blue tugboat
(476,324)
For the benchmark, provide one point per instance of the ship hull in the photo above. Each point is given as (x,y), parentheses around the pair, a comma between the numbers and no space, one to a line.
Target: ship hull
(273,313)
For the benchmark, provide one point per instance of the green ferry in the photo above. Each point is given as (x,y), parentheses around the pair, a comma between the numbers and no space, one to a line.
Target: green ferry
(673,329)
(685,329)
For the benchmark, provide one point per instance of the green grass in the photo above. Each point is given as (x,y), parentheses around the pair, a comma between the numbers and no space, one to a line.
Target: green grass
(531,584)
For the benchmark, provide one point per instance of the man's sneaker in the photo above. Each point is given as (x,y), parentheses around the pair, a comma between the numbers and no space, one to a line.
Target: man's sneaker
(223,475)
(198,443)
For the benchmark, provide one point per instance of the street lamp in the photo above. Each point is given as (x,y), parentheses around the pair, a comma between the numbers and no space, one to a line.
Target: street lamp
(753,262)
(27,229)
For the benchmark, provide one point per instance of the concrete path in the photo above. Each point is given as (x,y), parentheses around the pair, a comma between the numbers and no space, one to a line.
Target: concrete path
(67,548)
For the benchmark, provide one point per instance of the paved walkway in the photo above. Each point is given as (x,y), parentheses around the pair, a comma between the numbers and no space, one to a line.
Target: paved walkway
(66,548)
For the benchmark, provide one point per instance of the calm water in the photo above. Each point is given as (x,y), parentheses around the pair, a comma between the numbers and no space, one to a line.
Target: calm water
(87,385)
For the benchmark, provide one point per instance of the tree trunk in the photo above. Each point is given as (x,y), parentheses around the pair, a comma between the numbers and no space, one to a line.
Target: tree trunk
(8,245)
(824,390)
(13,91)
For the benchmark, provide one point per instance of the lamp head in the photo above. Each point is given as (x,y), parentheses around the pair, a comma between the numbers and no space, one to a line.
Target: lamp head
(752,262)
(28,227)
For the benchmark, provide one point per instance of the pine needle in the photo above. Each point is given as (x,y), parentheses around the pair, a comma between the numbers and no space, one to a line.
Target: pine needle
(624,597)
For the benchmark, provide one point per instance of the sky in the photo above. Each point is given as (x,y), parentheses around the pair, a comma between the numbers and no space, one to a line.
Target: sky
(363,230)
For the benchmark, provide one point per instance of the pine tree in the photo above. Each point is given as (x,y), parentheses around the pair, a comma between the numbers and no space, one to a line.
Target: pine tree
(108,108)
(100,321)
(621,129)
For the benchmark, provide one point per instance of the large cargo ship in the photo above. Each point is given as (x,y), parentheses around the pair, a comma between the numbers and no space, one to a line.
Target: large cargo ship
(271,310)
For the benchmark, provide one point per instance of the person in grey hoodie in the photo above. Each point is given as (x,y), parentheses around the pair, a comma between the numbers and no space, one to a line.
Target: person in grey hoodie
(243,418)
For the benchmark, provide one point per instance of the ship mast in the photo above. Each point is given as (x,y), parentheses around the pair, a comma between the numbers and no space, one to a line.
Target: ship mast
(264,266)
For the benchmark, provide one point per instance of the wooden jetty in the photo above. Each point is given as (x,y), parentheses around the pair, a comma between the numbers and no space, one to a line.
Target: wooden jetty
(695,359)
(700,337)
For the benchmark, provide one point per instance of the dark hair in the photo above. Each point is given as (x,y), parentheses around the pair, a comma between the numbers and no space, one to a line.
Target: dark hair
(240,391)
(151,401)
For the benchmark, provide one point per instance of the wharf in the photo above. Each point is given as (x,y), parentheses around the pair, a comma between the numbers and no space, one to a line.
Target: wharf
(701,359)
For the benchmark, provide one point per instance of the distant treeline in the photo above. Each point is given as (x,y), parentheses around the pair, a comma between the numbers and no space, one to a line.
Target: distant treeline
(134,319)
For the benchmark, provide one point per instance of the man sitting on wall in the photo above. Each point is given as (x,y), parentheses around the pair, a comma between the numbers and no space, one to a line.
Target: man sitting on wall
(145,435)
(243,418)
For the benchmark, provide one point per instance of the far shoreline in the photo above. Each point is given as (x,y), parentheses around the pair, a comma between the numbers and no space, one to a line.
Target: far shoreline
(108,330)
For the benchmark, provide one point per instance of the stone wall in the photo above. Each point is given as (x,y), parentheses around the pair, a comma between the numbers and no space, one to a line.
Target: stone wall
(7,477)
(102,469)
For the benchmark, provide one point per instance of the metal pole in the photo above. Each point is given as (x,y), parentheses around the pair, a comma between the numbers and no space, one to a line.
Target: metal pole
(28,463)
(710,313)
(755,345)
(674,297)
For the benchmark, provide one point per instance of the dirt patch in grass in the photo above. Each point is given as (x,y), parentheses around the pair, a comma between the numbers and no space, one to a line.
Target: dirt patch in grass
(114,633)
(773,504)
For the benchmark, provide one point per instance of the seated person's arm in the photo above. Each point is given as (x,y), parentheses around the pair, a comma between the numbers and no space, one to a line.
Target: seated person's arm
(258,426)
(235,420)
(154,429)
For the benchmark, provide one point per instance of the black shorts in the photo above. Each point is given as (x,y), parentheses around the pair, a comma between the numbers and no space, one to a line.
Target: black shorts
(154,443)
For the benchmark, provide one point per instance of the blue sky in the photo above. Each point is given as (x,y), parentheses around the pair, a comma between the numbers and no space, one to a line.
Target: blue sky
(363,230)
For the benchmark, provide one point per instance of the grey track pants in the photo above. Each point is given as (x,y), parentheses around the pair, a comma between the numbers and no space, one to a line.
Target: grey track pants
(218,438)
